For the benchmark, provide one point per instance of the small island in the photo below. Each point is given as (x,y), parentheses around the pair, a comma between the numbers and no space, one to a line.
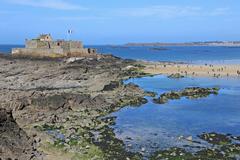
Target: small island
(45,46)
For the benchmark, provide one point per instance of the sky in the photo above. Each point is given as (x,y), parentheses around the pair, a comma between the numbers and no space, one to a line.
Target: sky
(120,21)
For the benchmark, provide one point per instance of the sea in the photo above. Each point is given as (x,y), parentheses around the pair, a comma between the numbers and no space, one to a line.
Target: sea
(194,54)
(159,126)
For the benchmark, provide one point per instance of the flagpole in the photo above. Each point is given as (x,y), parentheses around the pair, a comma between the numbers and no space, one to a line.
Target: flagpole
(69,34)
(68,37)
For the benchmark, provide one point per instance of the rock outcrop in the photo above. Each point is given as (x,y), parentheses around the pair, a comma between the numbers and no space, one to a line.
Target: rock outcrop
(190,93)
(55,107)
(14,142)
(176,76)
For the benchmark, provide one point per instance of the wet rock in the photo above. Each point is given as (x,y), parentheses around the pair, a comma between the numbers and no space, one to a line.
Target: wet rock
(109,120)
(112,86)
(211,154)
(161,100)
(166,96)
(223,148)
(176,76)
(191,93)
(150,94)
(171,154)
(231,149)
(235,137)
(215,138)
(132,101)
(113,147)
(197,92)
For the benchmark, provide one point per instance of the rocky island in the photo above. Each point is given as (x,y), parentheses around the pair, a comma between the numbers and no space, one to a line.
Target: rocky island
(45,46)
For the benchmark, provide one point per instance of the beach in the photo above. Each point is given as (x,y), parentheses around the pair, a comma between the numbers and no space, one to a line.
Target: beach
(192,70)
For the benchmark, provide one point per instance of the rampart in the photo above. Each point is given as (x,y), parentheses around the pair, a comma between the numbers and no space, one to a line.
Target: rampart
(44,46)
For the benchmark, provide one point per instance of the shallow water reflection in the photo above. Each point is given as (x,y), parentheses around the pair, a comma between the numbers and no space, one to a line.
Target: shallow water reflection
(162,126)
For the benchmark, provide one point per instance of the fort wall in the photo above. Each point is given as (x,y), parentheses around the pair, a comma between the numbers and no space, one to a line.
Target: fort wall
(44,46)
(53,52)
(38,52)
(31,44)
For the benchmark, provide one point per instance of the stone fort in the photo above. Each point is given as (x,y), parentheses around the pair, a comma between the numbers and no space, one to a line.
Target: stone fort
(45,46)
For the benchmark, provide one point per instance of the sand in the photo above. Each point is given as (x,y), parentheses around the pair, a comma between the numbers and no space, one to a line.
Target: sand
(193,70)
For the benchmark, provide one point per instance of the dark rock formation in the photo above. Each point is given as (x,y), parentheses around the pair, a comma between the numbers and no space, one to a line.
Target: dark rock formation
(224,148)
(215,138)
(14,142)
(112,86)
(176,76)
(191,93)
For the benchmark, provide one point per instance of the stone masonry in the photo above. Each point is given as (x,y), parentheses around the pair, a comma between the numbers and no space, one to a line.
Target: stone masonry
(45,46)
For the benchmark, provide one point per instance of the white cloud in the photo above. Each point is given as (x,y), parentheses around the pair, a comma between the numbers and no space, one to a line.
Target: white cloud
(53,4)
(167,11)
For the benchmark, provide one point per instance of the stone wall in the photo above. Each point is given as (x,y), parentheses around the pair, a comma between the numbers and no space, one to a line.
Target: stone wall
(38,52)
(53,44)
(54,52)
(58,48)
(31,44)
(43,45)
(75,44)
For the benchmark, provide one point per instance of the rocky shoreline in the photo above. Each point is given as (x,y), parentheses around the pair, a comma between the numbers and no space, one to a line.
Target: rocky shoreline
(222,147)
(57,108)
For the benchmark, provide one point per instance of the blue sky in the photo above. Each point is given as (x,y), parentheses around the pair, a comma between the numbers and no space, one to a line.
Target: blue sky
(120,21)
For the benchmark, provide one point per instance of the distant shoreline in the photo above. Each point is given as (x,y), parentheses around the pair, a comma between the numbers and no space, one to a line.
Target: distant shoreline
(207,43)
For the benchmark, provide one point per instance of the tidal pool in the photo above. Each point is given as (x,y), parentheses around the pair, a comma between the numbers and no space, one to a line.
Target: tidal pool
(151,127)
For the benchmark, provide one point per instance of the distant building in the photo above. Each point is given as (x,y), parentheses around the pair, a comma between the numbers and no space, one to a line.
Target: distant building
(45,46)
(45,37)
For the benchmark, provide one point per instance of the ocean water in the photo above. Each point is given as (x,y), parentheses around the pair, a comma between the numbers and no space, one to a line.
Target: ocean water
(182,54)
(159,126)
(7,48)
(202,54)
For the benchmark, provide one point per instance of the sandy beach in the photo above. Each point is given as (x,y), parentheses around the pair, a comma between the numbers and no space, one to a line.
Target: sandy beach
(193,70)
